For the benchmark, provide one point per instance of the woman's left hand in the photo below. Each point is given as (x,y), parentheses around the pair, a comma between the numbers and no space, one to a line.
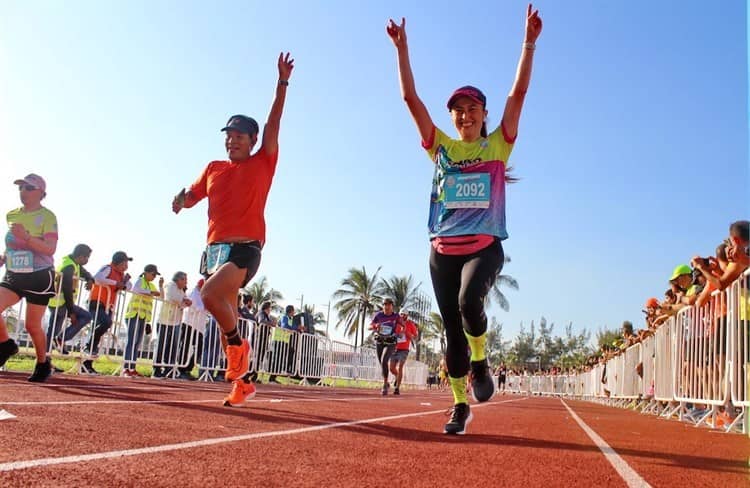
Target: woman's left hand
(533,25)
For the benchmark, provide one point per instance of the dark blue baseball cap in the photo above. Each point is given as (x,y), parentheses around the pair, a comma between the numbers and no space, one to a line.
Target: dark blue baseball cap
(242,123)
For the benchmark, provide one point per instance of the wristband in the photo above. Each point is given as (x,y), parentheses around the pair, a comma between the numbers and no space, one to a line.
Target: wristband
(529,45)
(284,82)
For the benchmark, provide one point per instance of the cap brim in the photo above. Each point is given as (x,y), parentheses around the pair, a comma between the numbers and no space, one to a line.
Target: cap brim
(236,129)
(452,99)
(22,182)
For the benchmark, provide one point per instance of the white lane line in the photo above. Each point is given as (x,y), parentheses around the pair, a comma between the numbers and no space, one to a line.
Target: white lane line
(627,473)
(146,402)
(35,463)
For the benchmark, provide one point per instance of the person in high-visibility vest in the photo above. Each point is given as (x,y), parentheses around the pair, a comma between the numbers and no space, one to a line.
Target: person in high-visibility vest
(108,282)
(139,313)
(63,305)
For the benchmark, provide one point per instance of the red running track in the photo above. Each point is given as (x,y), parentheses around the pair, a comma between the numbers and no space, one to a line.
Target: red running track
(105,431)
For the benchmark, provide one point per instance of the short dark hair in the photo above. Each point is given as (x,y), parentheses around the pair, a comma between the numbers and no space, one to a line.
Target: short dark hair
(81,250)
(628,326)
(740,229)
(265,306)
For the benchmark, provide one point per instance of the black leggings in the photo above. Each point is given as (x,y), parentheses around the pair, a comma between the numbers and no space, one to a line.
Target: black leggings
(385,351)
(461,284)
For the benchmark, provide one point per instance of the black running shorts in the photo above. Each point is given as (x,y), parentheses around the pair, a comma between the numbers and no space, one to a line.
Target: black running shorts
(37,287)
(245,255)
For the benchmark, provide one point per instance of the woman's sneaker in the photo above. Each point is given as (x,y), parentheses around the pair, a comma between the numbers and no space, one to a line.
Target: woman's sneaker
(42,371)
(241,391)
(482,386)
(460,417)
(7,349)
(384,390)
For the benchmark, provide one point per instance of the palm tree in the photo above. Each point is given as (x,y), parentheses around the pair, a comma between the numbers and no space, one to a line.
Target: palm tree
(261,292)
(433,328)
(356,301)
(315,317)
(496,294)
(401,290)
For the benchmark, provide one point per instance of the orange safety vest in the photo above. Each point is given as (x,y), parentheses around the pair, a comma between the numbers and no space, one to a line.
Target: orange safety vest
(106,294)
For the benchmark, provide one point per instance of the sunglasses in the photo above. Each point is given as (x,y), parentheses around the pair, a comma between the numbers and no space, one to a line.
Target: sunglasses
(27,187)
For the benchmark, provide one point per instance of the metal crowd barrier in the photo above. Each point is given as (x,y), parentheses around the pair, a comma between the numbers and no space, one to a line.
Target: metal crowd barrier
(174,350)
(695,365)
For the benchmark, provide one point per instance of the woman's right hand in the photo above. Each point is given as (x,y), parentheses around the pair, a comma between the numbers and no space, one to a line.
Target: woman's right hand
(397,33)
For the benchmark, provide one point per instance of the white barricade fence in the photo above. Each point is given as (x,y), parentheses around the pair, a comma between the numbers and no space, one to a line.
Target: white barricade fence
(368,365)
(648,366)
(738,320)
(210,354)
(513,383)
(312,355)
(415,373)
(261,346)
(341,361)
(281,352)
(613,369)
(628,380)
(664,373)
(699,377)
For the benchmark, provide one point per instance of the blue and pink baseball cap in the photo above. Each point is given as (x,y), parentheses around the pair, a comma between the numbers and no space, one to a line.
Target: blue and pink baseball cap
(468,91)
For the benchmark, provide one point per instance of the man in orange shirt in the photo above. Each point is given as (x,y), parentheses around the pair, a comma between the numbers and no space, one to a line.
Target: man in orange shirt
(237,191)
(403,343)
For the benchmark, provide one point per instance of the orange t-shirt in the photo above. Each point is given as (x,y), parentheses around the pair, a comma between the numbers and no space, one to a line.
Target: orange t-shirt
(237,194)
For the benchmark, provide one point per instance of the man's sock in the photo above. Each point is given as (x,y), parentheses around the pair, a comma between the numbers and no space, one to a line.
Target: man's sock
(233,337)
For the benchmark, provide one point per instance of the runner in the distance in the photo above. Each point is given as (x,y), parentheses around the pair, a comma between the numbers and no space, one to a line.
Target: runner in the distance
(403,344)
(387,325)
(237,191)
(467,212)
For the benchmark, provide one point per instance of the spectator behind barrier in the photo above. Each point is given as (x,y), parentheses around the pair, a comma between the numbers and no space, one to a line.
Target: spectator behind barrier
(736,251)
(169,324)
(716,267)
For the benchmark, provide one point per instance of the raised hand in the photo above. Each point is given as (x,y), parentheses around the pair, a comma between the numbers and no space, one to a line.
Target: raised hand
(533,25)
(397,33)
(286,65)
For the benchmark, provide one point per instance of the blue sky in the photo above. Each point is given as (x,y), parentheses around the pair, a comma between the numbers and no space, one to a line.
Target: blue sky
(632,148)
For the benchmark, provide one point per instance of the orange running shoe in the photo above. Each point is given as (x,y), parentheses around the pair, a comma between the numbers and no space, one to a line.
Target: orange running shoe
(241,391)
(238,361)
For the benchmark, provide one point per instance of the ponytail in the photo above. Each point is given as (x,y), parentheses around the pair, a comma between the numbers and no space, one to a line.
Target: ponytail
(483,131)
